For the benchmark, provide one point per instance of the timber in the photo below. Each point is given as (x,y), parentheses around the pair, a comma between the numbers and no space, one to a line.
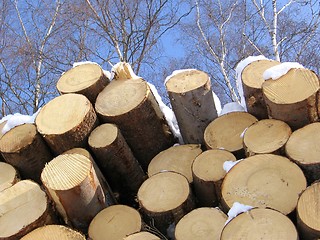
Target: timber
(8,176)
(142,236)
(192,101)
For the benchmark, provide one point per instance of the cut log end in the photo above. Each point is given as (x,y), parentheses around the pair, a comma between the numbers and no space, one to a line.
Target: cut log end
(104,135)
(142,236)
(8,176)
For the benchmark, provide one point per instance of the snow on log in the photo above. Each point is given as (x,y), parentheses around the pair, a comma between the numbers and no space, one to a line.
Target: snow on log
(266,136)
(201,223)
(208,173)
(252,80)
(115,222)
(54,232)
(72,183)
(66,122)
(131,105)
(8,176)
(293,98)
(192,102)
(142,236)
(164,199)
(116,160)
(260,224)
(308,208)
(266,181)
(177,159)
(303,148)
(24,148)
(23,207)
(225,132)
(87,79)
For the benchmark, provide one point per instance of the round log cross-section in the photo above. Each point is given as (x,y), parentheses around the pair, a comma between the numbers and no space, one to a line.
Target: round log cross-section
(142,236)
(8,175)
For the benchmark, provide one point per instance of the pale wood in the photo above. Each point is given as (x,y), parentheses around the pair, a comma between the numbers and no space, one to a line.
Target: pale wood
(23,207)
(54,232)
(252,80)
(201,224)
(131,105)
(8,176)
(24,148)
(266,136)
(115,222)
(1,134)
(308,208)
(260,224)
(116,160)
(264,180)
(192,102)
(208,173)
(177,159)
(66,122)
(303,148)
(87,79)
(164,199)
(142,236)
(225,132)
(72,183)
(293,98)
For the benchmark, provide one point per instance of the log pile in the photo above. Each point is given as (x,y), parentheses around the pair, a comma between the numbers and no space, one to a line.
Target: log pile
(104,164)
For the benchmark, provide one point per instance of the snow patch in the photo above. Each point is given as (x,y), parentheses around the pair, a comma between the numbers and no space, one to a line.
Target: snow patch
(231,107)
(236,209)
(227,165)
(278,71)
(107,74)
(217,102)
(122,71)
(75,64)
(177,72)
(244,131)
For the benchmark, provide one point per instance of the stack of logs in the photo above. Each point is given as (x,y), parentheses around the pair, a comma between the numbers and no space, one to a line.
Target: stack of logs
(101,161)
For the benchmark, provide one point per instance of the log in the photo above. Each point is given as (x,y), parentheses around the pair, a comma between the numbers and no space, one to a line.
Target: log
(8,176)
(225,132)
(87,79)
(66,122)
(23,207)
(142,236)
(266,136)
(132,107)
(308,209)
(115,222)
(293,98)
(252,80)
(176,159)
(72,183)
(265,181)
(303,148)
(54,232)
(192,102)
(164,199)
(116,161)
(201,224)
(24,148)
(1,134)
(208,173)
(260,224)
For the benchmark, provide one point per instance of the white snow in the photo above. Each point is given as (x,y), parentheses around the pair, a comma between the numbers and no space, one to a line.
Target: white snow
(168,114)
(16,120)
(241,65)
(227,165)
(244,131)
(231,107)
(75,64)
(278,71)
(217,102)
(107,74)
(177,72)
(125,69)
(236,209)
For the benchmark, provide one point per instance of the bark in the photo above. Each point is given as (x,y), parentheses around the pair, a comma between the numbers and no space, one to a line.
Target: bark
(9,176)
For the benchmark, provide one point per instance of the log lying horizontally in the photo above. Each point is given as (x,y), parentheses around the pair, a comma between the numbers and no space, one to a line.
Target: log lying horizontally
(66,122)
(252,80)
(293,98)
(208,173)
(266,136)
(8,176)
(132,107)
(192,102)
(201,224)
(303,148)
(264,180)
(87,79)
(260,224)
(177,159)
(24,148)
(72,183)
(23,207)
(164,199)
(54,232)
